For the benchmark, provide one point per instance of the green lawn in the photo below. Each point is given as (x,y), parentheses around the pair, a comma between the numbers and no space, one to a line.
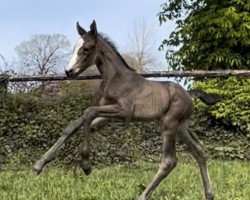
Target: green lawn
(230,180)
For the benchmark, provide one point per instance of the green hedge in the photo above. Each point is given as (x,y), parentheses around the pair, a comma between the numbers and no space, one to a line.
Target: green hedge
(234,106)
(31,122)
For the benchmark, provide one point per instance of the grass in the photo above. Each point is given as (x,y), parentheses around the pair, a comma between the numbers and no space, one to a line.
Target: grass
(125,182)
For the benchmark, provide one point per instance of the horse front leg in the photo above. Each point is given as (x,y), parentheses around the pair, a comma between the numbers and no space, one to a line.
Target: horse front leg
(49,155)
(95,116)
(84,148)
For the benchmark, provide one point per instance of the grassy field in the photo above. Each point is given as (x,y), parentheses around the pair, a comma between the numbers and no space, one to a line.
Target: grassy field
(231,181)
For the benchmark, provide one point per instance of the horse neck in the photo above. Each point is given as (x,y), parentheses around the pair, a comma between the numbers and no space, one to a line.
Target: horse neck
(109,63)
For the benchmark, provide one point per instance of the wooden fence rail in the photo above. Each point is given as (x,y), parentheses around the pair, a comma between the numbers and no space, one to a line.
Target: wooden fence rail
(194,74)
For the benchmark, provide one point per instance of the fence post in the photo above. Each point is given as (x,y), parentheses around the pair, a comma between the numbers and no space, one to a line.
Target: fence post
(3,98)
(4,79)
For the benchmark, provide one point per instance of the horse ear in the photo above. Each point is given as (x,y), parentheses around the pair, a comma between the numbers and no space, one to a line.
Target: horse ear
(80,30)
(93,28)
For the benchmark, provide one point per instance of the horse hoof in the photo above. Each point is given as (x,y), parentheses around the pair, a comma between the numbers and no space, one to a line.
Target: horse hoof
(87,171)
(36,171)
(210,196)
(38,168)
(85,167)
(142,197)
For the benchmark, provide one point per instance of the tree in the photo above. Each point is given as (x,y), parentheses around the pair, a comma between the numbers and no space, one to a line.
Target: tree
(210,34)
(43,54)
(5,65)
(234,107)
(4,62)
(139,46)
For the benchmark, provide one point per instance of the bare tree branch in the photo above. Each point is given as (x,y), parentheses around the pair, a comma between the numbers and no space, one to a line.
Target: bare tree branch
(4,62)
(43,54)
(139,46)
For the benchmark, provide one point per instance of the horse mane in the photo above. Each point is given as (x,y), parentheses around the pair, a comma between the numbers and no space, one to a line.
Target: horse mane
(113,46)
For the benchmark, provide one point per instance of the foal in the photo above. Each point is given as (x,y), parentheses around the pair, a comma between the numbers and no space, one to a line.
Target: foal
(128,96)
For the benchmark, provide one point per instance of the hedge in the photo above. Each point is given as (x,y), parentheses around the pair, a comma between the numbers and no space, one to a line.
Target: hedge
(31,122)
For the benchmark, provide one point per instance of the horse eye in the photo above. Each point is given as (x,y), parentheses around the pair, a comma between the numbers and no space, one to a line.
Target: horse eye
(85,50)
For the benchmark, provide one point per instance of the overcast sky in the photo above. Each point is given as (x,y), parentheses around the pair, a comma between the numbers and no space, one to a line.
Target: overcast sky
(20,19)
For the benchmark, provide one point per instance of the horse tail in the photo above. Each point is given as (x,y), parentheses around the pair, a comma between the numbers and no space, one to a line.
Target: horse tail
(195,137)
(209,99)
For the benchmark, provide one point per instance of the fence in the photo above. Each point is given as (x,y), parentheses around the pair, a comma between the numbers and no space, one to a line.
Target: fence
(195,74)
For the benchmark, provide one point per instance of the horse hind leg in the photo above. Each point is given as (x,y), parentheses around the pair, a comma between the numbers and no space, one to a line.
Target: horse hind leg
(168,160)
(197,151)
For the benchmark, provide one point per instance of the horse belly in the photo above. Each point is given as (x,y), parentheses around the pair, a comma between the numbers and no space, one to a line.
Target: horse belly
(150,107)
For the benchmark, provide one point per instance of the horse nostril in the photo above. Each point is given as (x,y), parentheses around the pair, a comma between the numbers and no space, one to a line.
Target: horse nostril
(68,72)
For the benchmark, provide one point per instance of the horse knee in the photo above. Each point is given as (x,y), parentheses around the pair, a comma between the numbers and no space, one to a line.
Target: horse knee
(89,114)
(90,111)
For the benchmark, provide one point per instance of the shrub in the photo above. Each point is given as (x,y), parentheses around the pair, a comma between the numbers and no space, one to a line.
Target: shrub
(30,123)
(234,107)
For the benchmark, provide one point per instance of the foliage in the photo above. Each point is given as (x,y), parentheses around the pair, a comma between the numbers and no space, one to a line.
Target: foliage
(210,34)
(3,83)
(220,140)
(214,35)
(31,122)
(234,106)
(230,181)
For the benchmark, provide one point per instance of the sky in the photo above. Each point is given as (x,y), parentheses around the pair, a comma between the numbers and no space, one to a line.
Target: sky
(20,19)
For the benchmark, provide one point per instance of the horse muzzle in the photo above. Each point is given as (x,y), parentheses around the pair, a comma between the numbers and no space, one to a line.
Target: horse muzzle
(70,73)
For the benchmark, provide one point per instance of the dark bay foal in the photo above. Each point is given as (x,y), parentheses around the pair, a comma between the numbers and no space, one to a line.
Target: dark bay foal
(128,96)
